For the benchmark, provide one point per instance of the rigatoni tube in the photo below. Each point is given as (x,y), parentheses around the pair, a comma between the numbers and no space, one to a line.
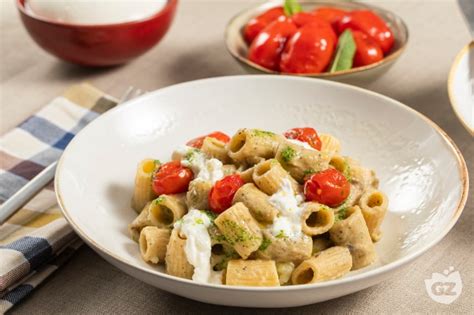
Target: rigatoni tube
(257,273)
(250,146)
(352,232)
(139,223)
(216,149)
(197,196)
(153,243)
(257,203)
(330,144)
(300,162)
(373,205)
(240,229)
(176,262)
(329,264)
(268,176)
(143,191)
(317,219)
(167,209)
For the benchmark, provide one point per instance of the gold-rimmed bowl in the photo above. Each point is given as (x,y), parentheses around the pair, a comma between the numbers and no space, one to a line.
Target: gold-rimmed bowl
(461,88)
(238,48)
(405,148)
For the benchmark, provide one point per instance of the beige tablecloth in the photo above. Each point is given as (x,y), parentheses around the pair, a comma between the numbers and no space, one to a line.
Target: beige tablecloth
(194,49)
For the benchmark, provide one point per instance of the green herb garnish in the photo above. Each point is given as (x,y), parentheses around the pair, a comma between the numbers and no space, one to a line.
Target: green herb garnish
(190,154)
(309,172)
(287,154)
(347,172)
(341,214)
(263,133)
(157,162)
(239,234)
(265,243)
(281,234)
(159,200)
(212,216)
(291,7)
(345,52)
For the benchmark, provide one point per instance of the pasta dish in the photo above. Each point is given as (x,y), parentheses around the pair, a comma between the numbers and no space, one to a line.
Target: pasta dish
(258,209)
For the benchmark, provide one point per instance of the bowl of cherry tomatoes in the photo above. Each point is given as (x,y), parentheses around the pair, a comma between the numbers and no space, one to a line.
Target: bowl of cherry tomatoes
(343,41)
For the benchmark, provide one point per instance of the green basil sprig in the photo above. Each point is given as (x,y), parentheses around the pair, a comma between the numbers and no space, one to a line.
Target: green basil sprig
(345,52)
(291,7)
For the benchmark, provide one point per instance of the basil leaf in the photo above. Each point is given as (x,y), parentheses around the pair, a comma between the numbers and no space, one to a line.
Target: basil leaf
(345,52)
(291,7)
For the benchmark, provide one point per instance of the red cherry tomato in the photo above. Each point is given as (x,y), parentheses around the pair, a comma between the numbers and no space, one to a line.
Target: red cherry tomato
(331,15)
(267,46)
(258,23)
(197,142)
(371,24)
(368,51)
(171,178)
(221,195)
(307,134)
(309,50)
(303,18)
(328,187)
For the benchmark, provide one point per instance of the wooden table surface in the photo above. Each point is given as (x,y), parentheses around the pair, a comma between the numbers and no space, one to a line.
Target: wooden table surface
(194,49)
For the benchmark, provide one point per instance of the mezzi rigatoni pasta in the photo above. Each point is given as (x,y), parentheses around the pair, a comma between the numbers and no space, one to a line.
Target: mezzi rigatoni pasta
(240,229)
(329,264)
(352,232)
(153,242)
(166,210)
(256,273)
(257,202)
(373,205)
(143,192)
(258,209)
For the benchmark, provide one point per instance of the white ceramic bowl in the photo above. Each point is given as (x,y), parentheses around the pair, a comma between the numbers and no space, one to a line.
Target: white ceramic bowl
(461,87)
(419,167)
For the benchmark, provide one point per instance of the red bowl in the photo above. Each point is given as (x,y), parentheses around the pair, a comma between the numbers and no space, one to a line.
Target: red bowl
(98,45)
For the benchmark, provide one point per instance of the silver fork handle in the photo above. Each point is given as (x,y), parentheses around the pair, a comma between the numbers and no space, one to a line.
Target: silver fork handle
(27,192)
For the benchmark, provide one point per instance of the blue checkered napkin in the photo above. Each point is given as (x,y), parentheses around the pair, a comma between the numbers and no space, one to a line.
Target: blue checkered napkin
(37,239)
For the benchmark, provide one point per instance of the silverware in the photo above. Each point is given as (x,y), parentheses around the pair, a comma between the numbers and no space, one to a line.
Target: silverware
(27,192)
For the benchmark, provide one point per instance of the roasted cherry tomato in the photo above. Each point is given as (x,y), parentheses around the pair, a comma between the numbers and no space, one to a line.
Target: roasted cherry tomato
(307,134)
(197,142)
(221,195)
(370,23)
(257,24)
(309,50)
(331,15)
(303,18)
(171,178)
(368,50)
(328,187)
(267,46)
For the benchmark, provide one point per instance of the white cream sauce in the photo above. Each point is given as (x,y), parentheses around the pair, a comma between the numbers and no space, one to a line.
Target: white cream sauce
(194,227)
(203,168)
(301,144)
(288,221)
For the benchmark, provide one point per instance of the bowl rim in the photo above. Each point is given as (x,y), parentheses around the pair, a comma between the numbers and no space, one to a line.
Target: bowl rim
(452,71)
(20,4)
(390,58)
(370,274)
